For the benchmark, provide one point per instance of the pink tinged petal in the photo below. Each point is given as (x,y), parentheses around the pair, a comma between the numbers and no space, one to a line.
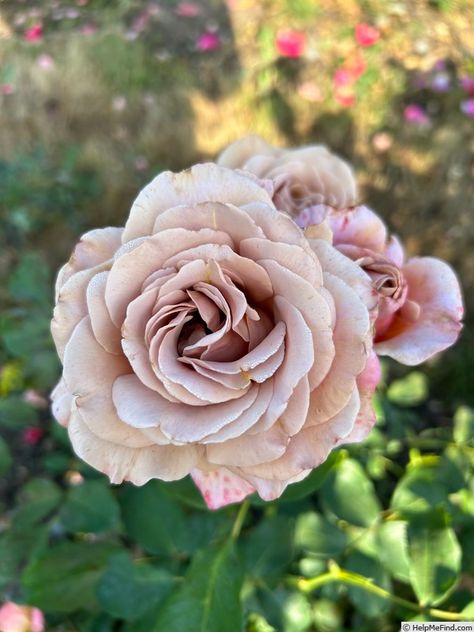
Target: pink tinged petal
(341,266)
(177,374)
(434,287)
(315,311)
(248,420)
(277,226)
(93,249)
(306,450)
(220,487)
(248,450)
(238,152)
(299,358)
(105,332)
(359,227)
(202,183)
(304,264)
(131,269)
(89,373)
(352,338)
(61,399)
(125,463)
(394,251)
(225,217)
(143,408)
(71,306)
(296,413)
(208,310)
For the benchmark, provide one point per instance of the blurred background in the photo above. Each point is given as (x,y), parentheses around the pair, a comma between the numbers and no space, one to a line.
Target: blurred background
(96,97)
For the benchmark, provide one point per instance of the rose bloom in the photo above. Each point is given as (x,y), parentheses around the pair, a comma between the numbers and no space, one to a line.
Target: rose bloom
(302,178)
(15,618)
(420,306)
(212,336)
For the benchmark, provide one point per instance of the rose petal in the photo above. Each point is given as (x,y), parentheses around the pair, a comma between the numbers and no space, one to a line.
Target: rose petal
(220,487)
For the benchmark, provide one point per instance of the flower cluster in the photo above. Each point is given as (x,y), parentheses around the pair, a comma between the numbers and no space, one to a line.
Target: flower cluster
(231,329)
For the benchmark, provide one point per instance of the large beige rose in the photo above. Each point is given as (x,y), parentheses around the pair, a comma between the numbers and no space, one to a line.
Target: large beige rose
(303,178)
(210,336)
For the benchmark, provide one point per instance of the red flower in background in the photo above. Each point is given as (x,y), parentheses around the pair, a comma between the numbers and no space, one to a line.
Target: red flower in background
(290,43)
(32,435)
(366,35)
(208,41)
(34,33)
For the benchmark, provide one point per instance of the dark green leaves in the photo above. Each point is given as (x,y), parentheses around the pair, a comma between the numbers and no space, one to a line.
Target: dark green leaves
(153,519)
(64,578)
(409,391)
(128,589)
(209,598)
(314,534)
(435,562)
(350,495)
(90,507)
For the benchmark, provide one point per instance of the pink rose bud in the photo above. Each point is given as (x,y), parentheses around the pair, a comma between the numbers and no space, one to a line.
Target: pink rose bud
(16,618)
(32,435)
(34,33)
(290,43)
(366,35)
(208,42)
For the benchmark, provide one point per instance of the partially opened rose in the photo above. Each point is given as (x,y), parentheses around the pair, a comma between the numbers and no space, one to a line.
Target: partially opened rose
(420,305)
(211,336)
(303,178)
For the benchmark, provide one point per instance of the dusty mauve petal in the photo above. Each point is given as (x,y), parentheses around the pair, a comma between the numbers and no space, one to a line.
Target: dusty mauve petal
(124,463)
(220,487)
(358,227)
(201,183)
(89,373)
(94,248)
(61,400)
(105,332)
(367,382)
(433,285)
(248,450)
(238,152)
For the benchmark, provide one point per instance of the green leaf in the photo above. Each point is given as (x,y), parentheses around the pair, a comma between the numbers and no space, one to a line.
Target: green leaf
(5,457)
(30,280)
(315,534)
(468,612)
(153,519)
(209,598)
(419,491)
(64,579)
(350,495)
(392,548)
(129,589)
(18,547)
(463,425)
(269,547)
(186,492)
(36,502)
(409,391)
(435,562)
(368,604)
(90,507)
(16,414)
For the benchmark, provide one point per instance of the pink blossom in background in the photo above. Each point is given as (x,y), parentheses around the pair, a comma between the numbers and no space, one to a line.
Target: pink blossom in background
(468,84)
(366,35)
(208,42)
(310,91)
(468,107)
(35,399)
(355,65)
(7,88)
(34,33)
(290,43)
(188,9)
(441,82)
(89,29)
(345,97)
(45,62)
(342,78)
(32,435)
(141,163)
(15,618)
(416,114)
